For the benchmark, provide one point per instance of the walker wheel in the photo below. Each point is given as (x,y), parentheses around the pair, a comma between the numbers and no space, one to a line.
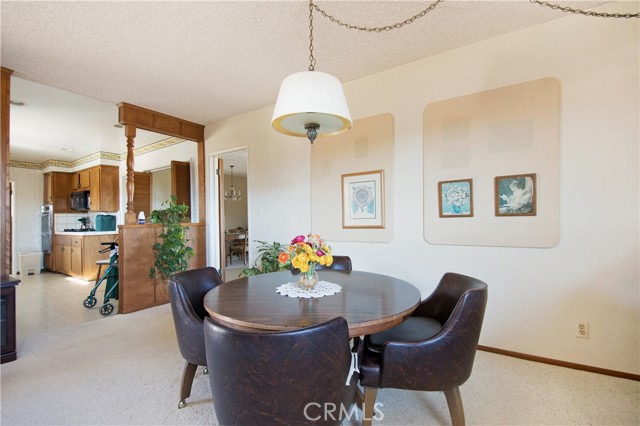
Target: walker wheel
(89,302)
(106,309)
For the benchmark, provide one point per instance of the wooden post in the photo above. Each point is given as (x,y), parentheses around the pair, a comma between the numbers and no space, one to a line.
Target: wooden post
(130,215)
(201,185)
(135,117)
(5,184)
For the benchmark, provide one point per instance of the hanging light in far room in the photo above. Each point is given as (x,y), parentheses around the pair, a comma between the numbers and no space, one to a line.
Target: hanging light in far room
(311,103)
(232,195)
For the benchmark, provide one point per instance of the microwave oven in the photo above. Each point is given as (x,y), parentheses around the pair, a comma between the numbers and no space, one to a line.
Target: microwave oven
(80,200)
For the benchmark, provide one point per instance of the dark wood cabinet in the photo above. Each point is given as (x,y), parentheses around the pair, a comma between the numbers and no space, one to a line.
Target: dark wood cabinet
(8,318)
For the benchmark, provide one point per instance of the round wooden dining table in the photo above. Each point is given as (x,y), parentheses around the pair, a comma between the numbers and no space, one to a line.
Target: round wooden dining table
(369,302)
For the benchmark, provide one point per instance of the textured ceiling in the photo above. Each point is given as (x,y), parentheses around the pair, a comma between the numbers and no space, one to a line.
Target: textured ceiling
(208,60)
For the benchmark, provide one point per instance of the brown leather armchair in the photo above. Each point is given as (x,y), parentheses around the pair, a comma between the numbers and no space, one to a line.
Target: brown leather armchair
(433,350)
(281,378)
(340,263)
(186,293)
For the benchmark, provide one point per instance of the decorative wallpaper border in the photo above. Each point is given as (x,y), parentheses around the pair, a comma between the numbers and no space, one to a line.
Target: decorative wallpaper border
(101,155)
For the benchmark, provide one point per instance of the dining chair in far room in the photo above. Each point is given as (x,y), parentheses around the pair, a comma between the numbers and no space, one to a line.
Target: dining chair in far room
(432,350)
(186,294)
(239,248)
(281,378)
(340,263)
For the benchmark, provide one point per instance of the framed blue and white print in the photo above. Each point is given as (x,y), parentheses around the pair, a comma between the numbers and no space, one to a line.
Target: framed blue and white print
(455,198)
(363,200)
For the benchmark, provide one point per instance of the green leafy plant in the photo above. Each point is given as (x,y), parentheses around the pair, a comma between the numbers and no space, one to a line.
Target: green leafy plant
(267,260)
(172,252)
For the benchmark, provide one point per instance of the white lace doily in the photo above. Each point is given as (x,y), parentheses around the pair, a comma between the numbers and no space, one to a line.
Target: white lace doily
(323,288)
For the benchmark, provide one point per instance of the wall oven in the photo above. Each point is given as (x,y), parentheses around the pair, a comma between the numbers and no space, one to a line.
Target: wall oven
(46,223)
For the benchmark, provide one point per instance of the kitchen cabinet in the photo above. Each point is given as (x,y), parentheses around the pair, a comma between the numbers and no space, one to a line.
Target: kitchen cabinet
(47,197)
(77,255)
(63,254)
(57,187)
(102,182)
(82,179)
(104,188)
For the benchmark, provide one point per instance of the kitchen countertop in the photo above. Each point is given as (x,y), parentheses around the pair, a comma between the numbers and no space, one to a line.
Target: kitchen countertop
(87,233)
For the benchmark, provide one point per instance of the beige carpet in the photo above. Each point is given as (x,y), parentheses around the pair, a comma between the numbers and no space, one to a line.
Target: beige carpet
(125,370)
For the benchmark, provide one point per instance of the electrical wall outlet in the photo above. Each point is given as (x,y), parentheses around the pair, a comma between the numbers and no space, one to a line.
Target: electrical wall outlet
(582,330)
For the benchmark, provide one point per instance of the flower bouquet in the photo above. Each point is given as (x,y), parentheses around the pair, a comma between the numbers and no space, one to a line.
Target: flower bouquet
(305,253)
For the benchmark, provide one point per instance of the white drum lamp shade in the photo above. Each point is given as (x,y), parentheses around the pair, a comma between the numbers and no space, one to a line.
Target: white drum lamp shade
(311,99)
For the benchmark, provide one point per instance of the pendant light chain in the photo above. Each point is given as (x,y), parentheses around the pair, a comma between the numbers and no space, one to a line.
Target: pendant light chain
(376,29)
(312,59)
(585,12)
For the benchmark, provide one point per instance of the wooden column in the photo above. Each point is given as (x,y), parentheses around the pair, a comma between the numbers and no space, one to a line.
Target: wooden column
(201,185)
(130,215)
(5,185)
(134,117)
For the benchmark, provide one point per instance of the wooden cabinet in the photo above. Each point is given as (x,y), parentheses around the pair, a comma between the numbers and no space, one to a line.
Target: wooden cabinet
(63,253)
(8,318)
(57,187)
(104,189)
(47,197)
(102,182)
(82,179)
(77,255)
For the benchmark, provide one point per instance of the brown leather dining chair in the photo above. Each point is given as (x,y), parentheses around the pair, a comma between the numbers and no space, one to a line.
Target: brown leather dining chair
(281,378)
(433,350)
(186,293)
(340,263)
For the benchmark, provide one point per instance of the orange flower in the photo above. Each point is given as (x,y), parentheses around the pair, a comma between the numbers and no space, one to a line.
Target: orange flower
(283,258)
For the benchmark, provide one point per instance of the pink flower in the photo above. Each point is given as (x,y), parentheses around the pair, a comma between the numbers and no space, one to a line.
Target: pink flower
(320,253)
(298,239)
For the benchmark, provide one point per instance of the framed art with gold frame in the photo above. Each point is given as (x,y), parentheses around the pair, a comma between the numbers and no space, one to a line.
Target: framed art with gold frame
(515,195)
(455,198)
(363,200)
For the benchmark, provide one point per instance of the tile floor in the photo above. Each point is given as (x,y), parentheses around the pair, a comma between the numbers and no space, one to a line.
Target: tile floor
(49,301)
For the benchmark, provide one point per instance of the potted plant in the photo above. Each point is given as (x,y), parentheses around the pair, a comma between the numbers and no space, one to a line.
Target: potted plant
(267,260)
(172,254)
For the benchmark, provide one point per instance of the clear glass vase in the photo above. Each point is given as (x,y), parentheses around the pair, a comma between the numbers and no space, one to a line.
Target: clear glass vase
(308,280)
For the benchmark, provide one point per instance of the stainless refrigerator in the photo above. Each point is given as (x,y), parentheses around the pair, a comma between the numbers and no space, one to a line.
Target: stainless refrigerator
(47,228)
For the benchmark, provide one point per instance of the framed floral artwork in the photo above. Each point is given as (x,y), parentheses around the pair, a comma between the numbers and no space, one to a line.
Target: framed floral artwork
(363,200)
(455,198)
(515,195)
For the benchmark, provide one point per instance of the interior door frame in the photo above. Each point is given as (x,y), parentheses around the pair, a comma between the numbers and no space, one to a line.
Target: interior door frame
(216,255)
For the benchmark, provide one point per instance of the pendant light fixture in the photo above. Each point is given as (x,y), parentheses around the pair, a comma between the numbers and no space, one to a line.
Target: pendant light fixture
(232,195)
(311,103)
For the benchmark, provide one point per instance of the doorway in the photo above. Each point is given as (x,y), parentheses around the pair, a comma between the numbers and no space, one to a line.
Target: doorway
(230,232)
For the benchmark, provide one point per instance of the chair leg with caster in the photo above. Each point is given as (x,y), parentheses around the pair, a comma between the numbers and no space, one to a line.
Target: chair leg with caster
(187,380)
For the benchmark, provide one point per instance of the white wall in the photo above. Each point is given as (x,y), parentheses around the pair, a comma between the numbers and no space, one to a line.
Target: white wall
(536,296)
(28,202)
